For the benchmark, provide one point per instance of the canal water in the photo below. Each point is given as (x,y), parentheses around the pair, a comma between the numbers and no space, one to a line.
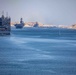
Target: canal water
(38,51)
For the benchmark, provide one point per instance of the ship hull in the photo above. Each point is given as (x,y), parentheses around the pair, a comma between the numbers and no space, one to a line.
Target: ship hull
(19,27)
(4,32)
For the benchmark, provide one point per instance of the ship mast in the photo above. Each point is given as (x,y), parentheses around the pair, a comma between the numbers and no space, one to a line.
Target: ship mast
(2,14)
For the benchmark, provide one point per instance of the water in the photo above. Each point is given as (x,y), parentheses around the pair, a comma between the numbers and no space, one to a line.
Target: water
(38,51)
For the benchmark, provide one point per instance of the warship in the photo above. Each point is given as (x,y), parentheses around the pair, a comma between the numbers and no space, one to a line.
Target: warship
(36,25)
(21,25)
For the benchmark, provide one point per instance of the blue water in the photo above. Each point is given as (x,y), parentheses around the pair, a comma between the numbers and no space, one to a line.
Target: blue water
(38,51)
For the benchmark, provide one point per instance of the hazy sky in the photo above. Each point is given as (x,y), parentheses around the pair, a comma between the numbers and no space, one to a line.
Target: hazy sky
(44,11)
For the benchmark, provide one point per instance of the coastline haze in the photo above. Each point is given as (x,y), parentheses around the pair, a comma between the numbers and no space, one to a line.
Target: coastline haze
(47,12)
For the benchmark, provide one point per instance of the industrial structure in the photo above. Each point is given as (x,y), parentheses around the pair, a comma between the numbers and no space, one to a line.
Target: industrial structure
(5,25)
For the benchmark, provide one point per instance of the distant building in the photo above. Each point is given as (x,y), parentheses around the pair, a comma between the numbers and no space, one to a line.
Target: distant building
(5,25)
(73,26)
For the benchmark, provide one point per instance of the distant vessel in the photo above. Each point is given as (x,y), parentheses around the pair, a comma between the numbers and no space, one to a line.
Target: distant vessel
(36,25)
(21,25)
(5,25)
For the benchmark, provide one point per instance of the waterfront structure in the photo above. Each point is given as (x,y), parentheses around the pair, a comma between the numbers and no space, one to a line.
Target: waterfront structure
(5,25)
(21,25)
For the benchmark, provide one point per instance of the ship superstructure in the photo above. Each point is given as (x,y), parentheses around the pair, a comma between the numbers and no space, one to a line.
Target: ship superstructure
(5,25)
(20,25)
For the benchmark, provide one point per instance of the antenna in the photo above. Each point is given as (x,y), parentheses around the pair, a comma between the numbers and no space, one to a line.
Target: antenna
(6,14)
(2,12)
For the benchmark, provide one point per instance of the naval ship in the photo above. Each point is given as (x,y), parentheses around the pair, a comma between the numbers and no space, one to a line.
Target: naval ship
(5,25)
(21,25)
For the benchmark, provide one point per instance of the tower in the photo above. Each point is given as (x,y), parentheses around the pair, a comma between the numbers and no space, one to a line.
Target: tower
(21,21)
(7,14)
(2,14)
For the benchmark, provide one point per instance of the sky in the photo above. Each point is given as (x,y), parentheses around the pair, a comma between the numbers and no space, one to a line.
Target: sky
(57,12)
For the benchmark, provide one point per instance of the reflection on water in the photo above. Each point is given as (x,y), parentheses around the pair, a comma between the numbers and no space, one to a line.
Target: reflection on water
(38,51)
